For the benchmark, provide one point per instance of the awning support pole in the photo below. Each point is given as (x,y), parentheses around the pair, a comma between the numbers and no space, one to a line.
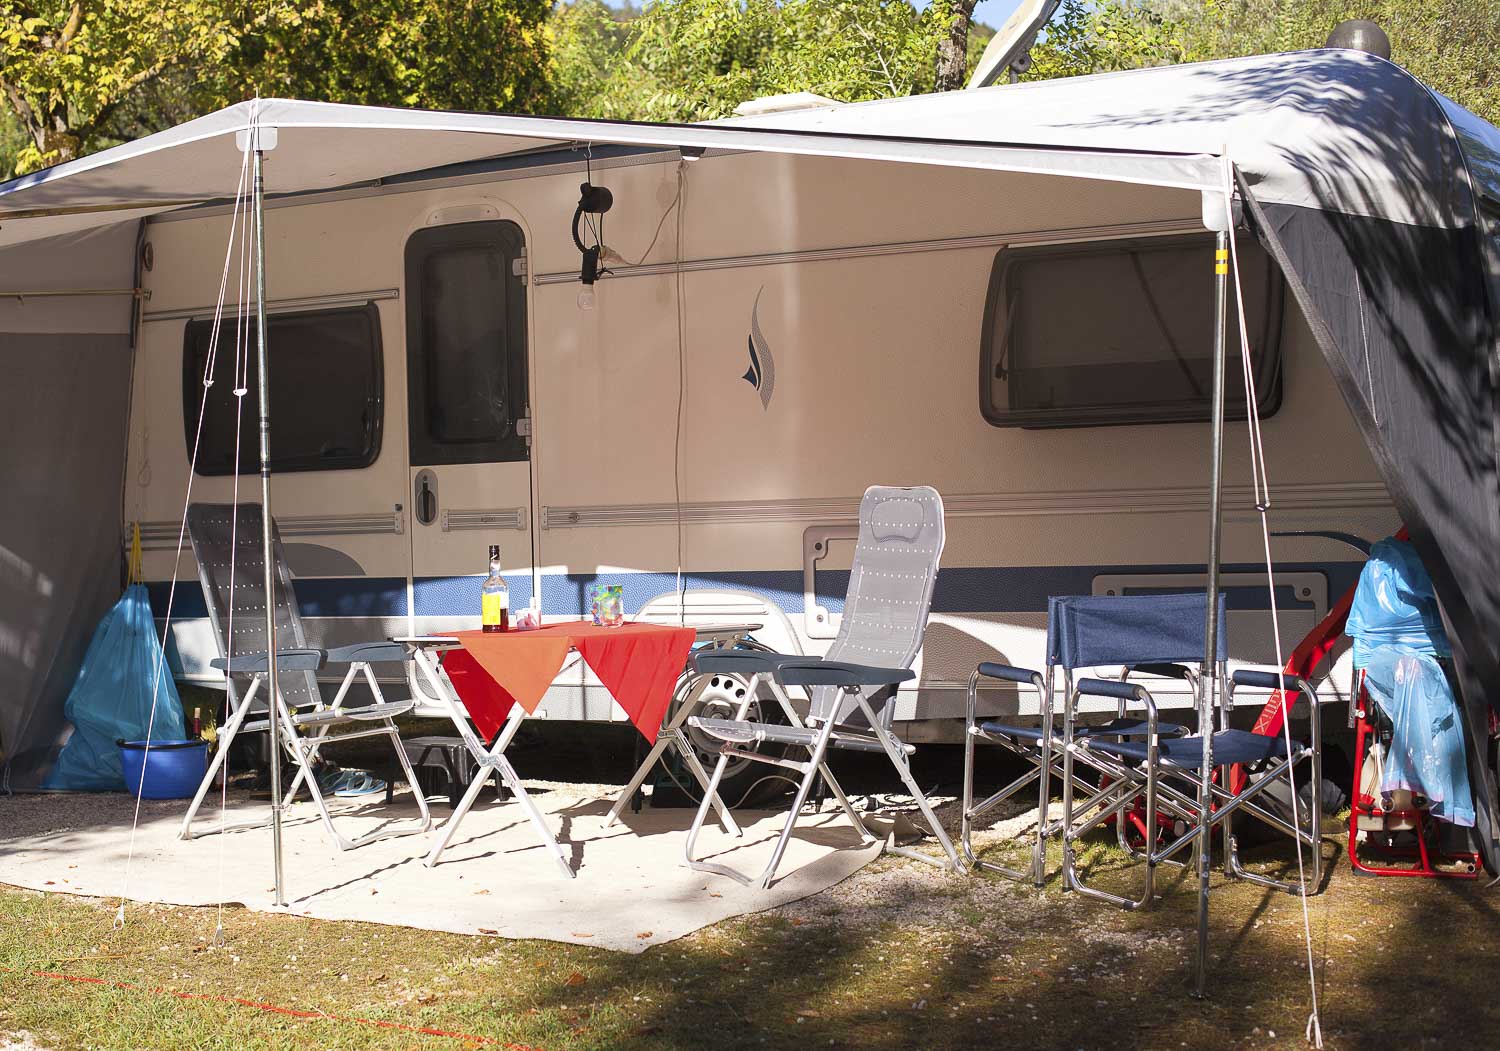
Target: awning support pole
(267,549)
(1210,669)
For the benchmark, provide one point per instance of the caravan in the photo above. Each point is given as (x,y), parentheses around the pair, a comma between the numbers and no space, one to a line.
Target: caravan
(769,335)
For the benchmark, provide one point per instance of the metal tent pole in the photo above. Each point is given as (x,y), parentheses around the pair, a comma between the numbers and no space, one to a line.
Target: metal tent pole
(1210,677)
(267,551)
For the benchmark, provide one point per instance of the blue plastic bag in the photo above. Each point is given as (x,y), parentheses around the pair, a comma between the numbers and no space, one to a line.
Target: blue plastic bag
(1395,605)
(1398,640)
(112,698)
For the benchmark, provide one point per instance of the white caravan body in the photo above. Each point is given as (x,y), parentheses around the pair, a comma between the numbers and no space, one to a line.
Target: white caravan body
(799,328)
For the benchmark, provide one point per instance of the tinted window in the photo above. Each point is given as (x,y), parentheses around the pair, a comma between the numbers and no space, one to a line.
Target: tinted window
(326,392)
(1121,332)
(466,332)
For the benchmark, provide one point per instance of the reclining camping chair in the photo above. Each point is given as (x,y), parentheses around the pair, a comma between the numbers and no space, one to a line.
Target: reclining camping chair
(852,690)
(1156,635)
(227,546)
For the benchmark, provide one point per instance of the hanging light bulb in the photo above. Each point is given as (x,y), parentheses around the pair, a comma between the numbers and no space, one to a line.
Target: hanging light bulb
(586,298)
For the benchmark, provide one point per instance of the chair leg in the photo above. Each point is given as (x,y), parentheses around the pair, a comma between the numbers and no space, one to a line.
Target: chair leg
(900,761)
(674,737)
(226,737)
(711,793)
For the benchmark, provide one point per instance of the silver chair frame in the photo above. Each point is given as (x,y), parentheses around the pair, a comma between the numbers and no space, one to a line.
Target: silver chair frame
(321,717)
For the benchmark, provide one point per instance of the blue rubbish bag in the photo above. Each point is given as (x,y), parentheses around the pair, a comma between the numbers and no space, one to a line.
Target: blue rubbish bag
(112,698)
(1398,643)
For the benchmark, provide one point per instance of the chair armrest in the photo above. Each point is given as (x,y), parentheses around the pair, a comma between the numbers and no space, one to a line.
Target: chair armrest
(1120,691)
(1269,680)
(738,662)
(286,660)
(1010,673)
(369,653)
(806,672)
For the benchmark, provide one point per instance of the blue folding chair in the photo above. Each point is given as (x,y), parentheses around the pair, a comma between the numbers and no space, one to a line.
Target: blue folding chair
(1159,635)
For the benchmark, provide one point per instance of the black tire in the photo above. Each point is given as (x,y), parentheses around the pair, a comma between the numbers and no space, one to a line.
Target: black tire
(746,783)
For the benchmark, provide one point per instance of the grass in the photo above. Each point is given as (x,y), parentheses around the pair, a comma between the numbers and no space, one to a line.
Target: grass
(967,962)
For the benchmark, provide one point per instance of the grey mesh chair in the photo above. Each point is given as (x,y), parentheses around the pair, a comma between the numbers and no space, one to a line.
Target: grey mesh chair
(236,583)
(852,689)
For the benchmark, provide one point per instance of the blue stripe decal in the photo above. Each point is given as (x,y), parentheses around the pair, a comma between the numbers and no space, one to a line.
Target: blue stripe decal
(987,589)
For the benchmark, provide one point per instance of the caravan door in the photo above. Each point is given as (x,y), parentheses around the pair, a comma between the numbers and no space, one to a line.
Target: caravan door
(468,418)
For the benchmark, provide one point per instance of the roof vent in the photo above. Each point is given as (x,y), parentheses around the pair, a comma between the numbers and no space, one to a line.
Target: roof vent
(1359,34)
(787,103)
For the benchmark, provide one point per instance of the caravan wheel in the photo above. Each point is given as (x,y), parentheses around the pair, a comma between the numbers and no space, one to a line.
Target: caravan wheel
(743,783)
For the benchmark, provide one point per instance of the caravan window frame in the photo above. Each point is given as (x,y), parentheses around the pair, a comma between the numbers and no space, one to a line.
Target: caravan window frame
(1266,338)
(510,445)
(218,462)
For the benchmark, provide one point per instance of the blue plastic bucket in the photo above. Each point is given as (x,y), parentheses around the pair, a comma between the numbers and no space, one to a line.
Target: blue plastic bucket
(174,769)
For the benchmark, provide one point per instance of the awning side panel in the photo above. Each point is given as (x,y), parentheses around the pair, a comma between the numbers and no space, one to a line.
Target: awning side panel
(63,409)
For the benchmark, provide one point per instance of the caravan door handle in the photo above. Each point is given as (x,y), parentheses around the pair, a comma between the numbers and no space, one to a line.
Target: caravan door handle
(425,500)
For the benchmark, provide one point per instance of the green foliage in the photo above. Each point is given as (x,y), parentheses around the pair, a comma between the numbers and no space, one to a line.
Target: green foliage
(432,54)
(699,59)
(1449,45)
(67,68)
(79,76)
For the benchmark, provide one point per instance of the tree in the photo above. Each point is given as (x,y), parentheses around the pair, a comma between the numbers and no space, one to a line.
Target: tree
(82,74)
(1449,44)
(479,55)
(953,47)
(67,68)
(699,59)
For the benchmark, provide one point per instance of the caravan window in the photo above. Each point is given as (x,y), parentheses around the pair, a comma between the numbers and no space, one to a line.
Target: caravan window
(1121,332)
(326,392)
(466,344)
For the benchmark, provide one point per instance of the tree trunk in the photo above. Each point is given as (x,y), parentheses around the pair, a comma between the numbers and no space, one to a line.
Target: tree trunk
(953,49)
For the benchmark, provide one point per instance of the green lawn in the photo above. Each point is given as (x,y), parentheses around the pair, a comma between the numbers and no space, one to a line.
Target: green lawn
(899,957)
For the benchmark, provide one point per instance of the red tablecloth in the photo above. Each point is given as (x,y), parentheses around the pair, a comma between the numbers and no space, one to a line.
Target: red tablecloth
(638,663)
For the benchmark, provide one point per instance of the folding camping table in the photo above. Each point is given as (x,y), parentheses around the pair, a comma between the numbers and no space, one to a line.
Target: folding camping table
(490,683)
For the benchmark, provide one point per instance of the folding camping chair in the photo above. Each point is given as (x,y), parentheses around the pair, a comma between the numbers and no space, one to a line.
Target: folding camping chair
(852,690)
(728,618)
(1156,634)
(227,546)
(1167,772)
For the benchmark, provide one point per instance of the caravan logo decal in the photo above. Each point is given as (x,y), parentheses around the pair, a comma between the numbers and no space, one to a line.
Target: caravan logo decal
(762,371)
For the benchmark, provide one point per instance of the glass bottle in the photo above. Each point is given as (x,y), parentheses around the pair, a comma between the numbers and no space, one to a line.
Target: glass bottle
(495,596)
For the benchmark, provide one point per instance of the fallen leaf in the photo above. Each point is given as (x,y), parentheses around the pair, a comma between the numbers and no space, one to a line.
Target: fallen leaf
(486,930)
(714,894)
(576,978)
(798,921)
(481,892)
(427,998)
(580,934)
(643,934)
(808,1013)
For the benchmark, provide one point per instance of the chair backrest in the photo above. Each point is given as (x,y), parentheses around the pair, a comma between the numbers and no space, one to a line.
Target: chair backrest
(890,590)
(1089,631)
(707,607)
(227,542)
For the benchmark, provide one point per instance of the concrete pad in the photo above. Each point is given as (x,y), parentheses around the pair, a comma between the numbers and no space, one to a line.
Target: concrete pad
(633,888)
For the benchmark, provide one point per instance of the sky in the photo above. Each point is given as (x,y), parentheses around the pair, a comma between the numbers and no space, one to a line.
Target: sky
(990,12)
